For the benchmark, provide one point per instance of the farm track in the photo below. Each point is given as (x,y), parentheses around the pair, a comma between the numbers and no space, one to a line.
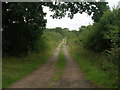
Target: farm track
(72,76)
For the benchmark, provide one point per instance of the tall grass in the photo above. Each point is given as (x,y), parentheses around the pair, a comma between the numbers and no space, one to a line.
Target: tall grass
(15,68)
(95,66)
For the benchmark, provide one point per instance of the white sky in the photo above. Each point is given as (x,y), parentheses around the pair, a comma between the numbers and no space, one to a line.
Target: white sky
(76,22)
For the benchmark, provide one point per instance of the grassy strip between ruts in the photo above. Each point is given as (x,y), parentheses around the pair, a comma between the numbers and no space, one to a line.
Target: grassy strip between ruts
(15,68)
(60,65)
(89,63)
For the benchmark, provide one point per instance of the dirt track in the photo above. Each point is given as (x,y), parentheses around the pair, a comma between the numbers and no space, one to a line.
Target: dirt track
(72,76)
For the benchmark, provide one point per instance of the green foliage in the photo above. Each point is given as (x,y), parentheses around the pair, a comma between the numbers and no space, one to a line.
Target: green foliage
(82,29)
(102,8)
(22,26)
(103,38)
(112,21)
(97,68)
(95,8)
(92,38)
(52,35)
(104,34)
(71,36)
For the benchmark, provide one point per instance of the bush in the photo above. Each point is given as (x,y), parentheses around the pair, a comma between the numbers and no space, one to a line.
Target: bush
(104,37)
(104,34)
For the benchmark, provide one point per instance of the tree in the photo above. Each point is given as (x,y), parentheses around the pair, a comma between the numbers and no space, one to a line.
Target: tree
(82,28)
(22,26)
(71,8)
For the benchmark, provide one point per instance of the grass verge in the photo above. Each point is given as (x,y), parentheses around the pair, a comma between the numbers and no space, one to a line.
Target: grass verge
(94,67)
(15,68)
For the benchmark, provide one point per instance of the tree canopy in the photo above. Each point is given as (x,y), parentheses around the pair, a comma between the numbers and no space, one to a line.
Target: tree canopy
(96,9)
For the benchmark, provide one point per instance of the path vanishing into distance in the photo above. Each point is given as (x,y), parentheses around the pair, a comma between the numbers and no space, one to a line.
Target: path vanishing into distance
(72,77)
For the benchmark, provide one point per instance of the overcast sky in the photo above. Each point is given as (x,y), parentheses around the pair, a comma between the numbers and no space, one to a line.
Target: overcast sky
(76,22)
